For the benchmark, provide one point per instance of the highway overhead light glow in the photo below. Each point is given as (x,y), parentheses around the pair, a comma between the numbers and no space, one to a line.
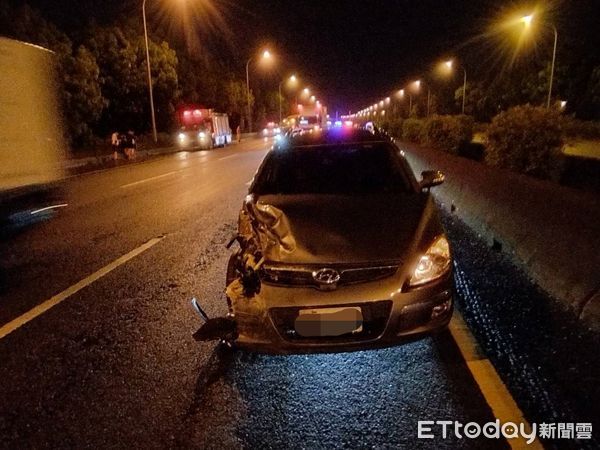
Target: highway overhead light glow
(527,19)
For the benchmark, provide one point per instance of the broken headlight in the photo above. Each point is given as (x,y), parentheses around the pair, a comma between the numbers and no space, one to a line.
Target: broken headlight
(433,264)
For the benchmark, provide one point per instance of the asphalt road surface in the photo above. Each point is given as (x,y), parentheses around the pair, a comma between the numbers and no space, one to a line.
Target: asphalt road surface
(110,361)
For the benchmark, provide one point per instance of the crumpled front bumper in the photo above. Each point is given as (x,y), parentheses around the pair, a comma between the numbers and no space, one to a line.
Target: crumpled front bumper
(390,316)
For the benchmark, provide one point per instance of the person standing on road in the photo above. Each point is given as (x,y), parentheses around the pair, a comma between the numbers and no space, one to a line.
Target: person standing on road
(130,145)
(114,142)
(238,133)
(123,144)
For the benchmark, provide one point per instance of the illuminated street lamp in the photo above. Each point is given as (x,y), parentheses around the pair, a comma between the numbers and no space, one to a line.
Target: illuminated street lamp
(266,55)
(448,65)
(527,20)
(291,79)
(416,86)
(154,134)
(401,94)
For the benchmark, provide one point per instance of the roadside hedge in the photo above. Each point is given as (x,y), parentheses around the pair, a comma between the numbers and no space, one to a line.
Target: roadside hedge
(526,139)
(411,130)
(447,133)
(395,127)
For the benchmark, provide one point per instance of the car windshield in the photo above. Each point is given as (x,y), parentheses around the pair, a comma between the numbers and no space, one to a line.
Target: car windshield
(342,169)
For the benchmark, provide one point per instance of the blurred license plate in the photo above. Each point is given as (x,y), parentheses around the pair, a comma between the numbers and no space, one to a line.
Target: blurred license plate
(329,321)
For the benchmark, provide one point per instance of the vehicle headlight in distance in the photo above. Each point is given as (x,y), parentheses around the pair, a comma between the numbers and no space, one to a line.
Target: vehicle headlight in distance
(277,130)
(181,136)
(265,132)
(433,264)
(202,135)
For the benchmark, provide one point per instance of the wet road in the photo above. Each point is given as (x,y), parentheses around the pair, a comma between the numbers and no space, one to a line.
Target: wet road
(113,364)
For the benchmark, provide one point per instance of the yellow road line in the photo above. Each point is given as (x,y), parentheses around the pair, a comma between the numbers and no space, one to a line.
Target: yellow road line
(40,309)
(497,396)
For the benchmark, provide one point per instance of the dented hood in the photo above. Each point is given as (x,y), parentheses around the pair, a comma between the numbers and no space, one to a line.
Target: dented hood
(312,229)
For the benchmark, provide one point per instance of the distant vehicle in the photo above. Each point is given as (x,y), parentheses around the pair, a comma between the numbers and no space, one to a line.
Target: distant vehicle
(308,122)
(201,127)
(272,129)
(309,118)
(32,149)
(341,248)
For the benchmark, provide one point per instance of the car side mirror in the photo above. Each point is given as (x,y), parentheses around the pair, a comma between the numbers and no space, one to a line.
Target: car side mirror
(431,178)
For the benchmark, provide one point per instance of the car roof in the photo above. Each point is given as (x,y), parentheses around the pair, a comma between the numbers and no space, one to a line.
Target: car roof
(334,136)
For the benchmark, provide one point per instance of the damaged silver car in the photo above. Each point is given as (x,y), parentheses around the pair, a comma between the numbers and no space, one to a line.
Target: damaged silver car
(340,248)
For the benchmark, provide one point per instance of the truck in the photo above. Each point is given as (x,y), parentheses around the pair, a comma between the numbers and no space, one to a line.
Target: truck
(32,147)
(309,117)
(201,127)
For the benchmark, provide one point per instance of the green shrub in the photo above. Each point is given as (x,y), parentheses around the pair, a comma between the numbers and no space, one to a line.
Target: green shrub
(395,129)
(411,130)
(526,139)
(447,133)
(384,125)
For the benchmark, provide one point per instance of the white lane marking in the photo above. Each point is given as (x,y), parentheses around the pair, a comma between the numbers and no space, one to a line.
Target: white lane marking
(135,183)
(35,211)
(497,396)
(40,309)
(230,156)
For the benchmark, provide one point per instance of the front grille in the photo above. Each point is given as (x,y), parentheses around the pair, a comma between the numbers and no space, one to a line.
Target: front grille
(375,317)
(302,276)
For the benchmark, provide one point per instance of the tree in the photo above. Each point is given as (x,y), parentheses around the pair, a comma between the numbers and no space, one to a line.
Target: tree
(122,62)
(83,100)
(236,100)
(164,78)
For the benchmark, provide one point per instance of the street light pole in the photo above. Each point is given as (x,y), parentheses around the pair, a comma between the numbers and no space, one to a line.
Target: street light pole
(428,99)
(248,112)
(552,67)
(464,91)
(527,21)
(154,134)
(280,114)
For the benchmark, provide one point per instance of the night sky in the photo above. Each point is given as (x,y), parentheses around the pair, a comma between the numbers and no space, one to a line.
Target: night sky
(352,52)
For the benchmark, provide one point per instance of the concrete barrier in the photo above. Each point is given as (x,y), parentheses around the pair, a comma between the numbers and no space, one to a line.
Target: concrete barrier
(552,231)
